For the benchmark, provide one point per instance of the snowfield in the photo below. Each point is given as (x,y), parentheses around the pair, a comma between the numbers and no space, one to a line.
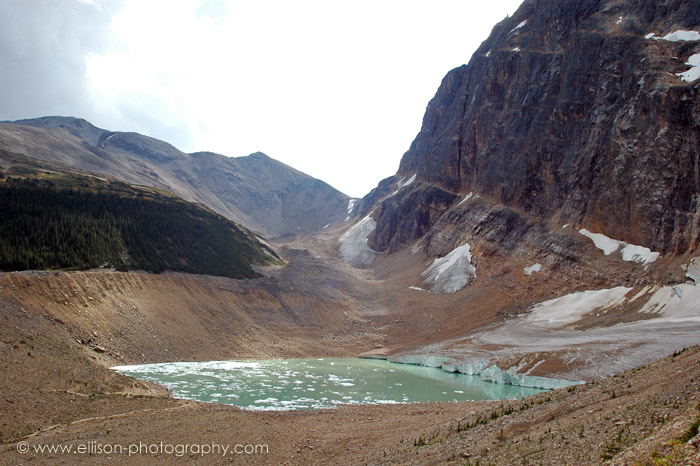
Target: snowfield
(450,273)
(669,321)
(353,244)
(570,308)
(694,72)
(630,252)
(351,207)
(680,35)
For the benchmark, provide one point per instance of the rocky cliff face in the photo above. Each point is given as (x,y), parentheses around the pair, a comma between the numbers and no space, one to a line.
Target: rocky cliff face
(265,195)
(571,114)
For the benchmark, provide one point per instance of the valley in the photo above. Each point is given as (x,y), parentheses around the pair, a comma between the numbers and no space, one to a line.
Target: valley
(542,231)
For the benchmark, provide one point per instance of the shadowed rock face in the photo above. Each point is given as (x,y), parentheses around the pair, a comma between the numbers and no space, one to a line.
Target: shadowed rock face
(263,194)
(565,113)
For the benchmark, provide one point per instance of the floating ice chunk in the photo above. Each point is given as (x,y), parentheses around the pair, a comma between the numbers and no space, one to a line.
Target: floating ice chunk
(353,244)
(681,35)
(533,268)
(694,72)
(450,273)
(570,308)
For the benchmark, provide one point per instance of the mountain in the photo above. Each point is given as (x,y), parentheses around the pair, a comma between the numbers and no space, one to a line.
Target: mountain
(53,218)
(263,194)
(572,116)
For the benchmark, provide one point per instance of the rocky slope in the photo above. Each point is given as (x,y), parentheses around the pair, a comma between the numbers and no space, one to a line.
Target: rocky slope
(569,113)
(59,219)
(553,192)
(263,194)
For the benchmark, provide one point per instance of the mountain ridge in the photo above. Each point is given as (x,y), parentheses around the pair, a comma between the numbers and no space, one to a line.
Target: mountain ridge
(287,202)
(555,119)
(57,219)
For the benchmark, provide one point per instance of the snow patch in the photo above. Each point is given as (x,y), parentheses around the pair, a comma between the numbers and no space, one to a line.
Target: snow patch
(638,254)
(415,288)
(450,273)
(488,54)
(650,35)
(675,303)
(533,268)
(466,198)
(403,182)
(694,72)
(351,205)
(565,226)
(680,35)
(326,226)
(620,19)
(107,139)
(519,26)
(693,270)
(567,309)
(353,244)
(602,242)
(516,49)
(630,252)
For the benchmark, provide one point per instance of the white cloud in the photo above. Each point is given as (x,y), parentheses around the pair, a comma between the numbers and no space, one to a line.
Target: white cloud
(335,89)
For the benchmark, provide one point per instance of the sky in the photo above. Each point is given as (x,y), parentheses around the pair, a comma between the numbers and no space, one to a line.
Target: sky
(334,88)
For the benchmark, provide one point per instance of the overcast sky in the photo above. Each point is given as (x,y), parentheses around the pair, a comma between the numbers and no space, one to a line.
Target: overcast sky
(336,89)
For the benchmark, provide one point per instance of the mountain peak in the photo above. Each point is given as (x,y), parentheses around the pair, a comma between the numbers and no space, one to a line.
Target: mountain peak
(257,191)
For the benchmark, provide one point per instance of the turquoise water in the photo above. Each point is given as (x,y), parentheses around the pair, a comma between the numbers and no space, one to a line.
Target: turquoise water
(285,384)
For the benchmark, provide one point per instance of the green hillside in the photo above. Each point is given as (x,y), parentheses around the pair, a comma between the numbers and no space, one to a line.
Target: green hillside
(58,220)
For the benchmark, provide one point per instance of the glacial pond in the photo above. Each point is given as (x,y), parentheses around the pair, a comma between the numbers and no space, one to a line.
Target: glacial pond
(290,384)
